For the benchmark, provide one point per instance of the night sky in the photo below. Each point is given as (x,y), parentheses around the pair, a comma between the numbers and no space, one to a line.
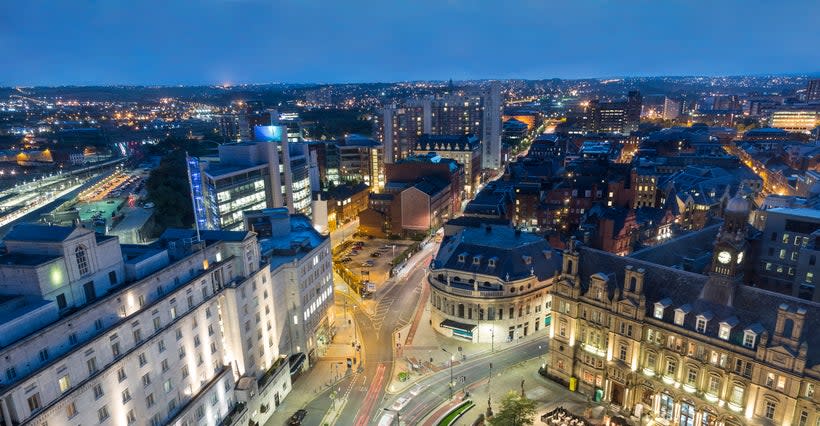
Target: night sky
(59,42)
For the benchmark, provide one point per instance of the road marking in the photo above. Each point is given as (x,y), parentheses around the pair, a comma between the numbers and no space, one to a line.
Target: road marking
(370,399)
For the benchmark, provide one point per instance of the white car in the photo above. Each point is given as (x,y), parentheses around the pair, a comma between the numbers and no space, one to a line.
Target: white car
(387,419)
(400,403)
(417,389)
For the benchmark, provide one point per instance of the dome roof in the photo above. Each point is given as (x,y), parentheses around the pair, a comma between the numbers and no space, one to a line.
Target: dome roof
(737,204)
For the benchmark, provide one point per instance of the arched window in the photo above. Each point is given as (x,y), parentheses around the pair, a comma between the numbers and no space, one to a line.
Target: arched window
(82,260)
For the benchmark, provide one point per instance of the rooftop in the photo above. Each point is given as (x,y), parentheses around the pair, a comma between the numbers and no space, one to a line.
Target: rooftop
(301,239)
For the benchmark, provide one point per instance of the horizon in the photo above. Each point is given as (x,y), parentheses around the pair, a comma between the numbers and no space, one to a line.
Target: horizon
(215,42)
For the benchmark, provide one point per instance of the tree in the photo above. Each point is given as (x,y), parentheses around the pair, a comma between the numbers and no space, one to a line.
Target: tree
(168,189)
(516,410)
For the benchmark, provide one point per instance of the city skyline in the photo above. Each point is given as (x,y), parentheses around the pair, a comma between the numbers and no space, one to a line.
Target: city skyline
(248,41)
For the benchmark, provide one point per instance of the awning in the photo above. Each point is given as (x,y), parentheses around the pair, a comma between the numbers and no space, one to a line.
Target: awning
(455,325)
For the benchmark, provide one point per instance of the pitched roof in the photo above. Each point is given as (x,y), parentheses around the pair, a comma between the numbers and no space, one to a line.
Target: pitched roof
(38,232)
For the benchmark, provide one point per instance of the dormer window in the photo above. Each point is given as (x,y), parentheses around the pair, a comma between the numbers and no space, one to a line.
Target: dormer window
(700,325)
(491,262)
(725,329)
(701,321)
(680,314)
(749,338)
(660,307)
(477,260)
(462,257)
(527,260)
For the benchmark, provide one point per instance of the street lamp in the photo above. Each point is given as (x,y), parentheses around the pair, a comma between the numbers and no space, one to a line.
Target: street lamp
(398,415)
(452,358)
(492,339)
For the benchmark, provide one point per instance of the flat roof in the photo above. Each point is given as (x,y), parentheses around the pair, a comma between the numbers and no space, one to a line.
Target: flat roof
(802,212)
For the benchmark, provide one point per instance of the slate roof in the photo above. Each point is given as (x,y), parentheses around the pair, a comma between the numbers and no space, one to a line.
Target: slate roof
(509,249)
(38,232)
(752,307)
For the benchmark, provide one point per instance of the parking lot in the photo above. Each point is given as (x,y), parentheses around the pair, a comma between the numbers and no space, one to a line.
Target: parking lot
(370,259)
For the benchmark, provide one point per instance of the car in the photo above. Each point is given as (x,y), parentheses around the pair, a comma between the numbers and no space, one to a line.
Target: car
(375,254)
(297,417)
(416,390)
(345,260)
(400,403)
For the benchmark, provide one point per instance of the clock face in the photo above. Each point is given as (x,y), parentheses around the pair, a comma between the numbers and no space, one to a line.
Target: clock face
(740,257)
(724,257)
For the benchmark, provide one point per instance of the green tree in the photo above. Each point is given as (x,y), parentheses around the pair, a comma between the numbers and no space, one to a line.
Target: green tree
(516,410)
(168,189)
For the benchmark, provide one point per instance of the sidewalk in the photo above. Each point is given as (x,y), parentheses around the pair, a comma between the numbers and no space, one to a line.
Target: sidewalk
(546,394)
(329,370)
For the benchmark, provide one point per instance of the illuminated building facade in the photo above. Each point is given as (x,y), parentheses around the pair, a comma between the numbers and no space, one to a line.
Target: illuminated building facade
(800,121)
(267,173)
(492,284)
(465,149)
(669,346)
(399,128)
(93,332)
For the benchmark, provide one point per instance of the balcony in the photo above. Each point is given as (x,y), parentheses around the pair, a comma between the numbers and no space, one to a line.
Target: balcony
(459,288)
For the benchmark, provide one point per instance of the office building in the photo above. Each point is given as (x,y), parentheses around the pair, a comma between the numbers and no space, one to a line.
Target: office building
(398,128)
(465,149)
(796,120)
(615,117)
(813,91)
(97,332)
(662,345)
(269,172)
(354,159)
(491,284)
(785,245)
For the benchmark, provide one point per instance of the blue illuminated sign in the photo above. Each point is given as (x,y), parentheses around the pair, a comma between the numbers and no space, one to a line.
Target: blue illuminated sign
(269,133)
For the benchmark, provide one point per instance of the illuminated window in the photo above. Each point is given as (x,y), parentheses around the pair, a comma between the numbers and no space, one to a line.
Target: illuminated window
(82,260)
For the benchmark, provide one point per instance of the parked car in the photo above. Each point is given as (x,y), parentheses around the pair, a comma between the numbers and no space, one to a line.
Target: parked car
(297,417)
(345,259)
(375,254)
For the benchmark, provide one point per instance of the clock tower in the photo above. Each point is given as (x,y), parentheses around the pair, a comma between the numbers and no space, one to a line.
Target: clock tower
(731,244)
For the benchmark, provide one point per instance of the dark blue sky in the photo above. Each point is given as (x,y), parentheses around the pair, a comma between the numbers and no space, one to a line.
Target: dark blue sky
(258,41)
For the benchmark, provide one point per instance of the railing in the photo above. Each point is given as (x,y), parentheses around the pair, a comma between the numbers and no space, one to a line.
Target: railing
(469,293)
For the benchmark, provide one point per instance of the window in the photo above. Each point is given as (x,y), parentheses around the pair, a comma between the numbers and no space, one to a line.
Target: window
(149,400)
(161,346)
(723,333)
(64,383)
(98,391)
(131,417)
(737,395)
(167,386)
(809,390)
(115,349)
(82,260)
(691,376)
(164,365)
(102,413)
(770,379)
(769,409)
(70,410)
(671,367)
(126,395)
(622,353)
(92,365)
(34,402)
(781,382)
(142,359)
(121,375)
(44,354)
(809,277)
(658,312)
(749,339)
(714,385)
(112,277)
(679,317)
(804,418)
(700,325)
(11,373)
(146,379)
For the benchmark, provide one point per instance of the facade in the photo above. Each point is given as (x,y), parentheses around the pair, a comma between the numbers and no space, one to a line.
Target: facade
(355,159)
(301,265)
(616,117)
(813,91)
(796,120)
(492,284)
(270,172)
(149,334)
(784,246)
(669,346)
(400,127)
(345,202)
(465,149)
